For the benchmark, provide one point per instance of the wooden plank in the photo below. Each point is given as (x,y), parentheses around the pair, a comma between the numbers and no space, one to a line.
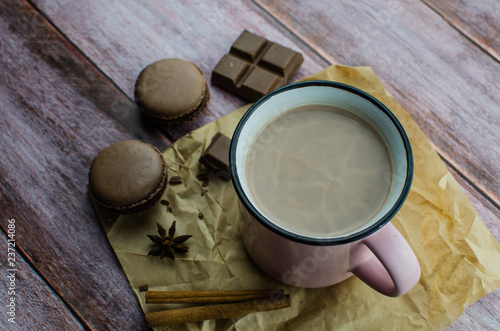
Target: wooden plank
(57,112)
(483,314)
(152,30)
(443,80)
(479,20)
(33,305)
(487,211)
(168,30)
(46,153)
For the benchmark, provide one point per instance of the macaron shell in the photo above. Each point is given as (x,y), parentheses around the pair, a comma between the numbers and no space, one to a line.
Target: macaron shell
(127,175)
(191,116)
(170,88)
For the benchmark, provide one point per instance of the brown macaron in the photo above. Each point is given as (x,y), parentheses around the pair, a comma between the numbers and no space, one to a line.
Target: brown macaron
(171,91)
(128,177)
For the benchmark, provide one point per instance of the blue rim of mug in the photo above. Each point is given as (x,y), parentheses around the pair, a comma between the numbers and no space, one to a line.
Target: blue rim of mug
(327,240)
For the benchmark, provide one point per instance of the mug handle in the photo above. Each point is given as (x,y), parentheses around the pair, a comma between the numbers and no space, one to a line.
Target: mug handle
(385,262)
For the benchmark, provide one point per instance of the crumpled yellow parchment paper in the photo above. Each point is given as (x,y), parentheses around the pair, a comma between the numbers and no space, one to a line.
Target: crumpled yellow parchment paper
(459,257)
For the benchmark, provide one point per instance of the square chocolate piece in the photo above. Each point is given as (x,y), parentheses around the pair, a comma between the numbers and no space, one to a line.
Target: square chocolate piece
(279,59)
(248,46)
(255,66)
(216,157)
(259,82)
(231,70)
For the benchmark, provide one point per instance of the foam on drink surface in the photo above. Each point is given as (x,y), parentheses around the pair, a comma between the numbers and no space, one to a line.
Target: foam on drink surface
(318,171)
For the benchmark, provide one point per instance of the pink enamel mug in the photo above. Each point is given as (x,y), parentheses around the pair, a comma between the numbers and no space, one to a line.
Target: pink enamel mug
(374,250)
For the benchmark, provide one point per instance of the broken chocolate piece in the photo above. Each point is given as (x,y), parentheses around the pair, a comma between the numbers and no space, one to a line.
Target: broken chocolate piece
(200,215)
(203,178)
(216,158)
(255,66)
(143,288)
(174,180)
(202,175)
(167,204)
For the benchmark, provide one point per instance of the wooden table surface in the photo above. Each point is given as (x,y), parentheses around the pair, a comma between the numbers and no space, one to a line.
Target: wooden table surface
(68,70)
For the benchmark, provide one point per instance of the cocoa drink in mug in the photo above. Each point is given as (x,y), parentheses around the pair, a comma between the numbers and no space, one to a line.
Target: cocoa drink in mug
(320,168)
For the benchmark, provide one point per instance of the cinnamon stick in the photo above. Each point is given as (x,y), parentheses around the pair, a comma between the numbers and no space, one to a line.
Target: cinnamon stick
(222,311)
(209,296)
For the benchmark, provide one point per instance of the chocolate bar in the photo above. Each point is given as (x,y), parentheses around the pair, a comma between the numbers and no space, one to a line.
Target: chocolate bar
(216,157)
(255,66)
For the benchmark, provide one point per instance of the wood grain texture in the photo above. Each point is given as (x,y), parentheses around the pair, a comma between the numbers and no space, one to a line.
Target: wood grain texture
(479,20)
(36,305)
(443,80)
(151,30)
(66,91)
(483,314)
(486,210)
(57,112)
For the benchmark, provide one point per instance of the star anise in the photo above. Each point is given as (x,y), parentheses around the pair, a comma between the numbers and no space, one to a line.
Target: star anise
(166,245)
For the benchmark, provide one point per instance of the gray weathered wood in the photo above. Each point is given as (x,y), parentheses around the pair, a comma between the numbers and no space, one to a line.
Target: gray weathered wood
(66,91)
(57,112)
(479,20)
(122,37)
(34,305)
